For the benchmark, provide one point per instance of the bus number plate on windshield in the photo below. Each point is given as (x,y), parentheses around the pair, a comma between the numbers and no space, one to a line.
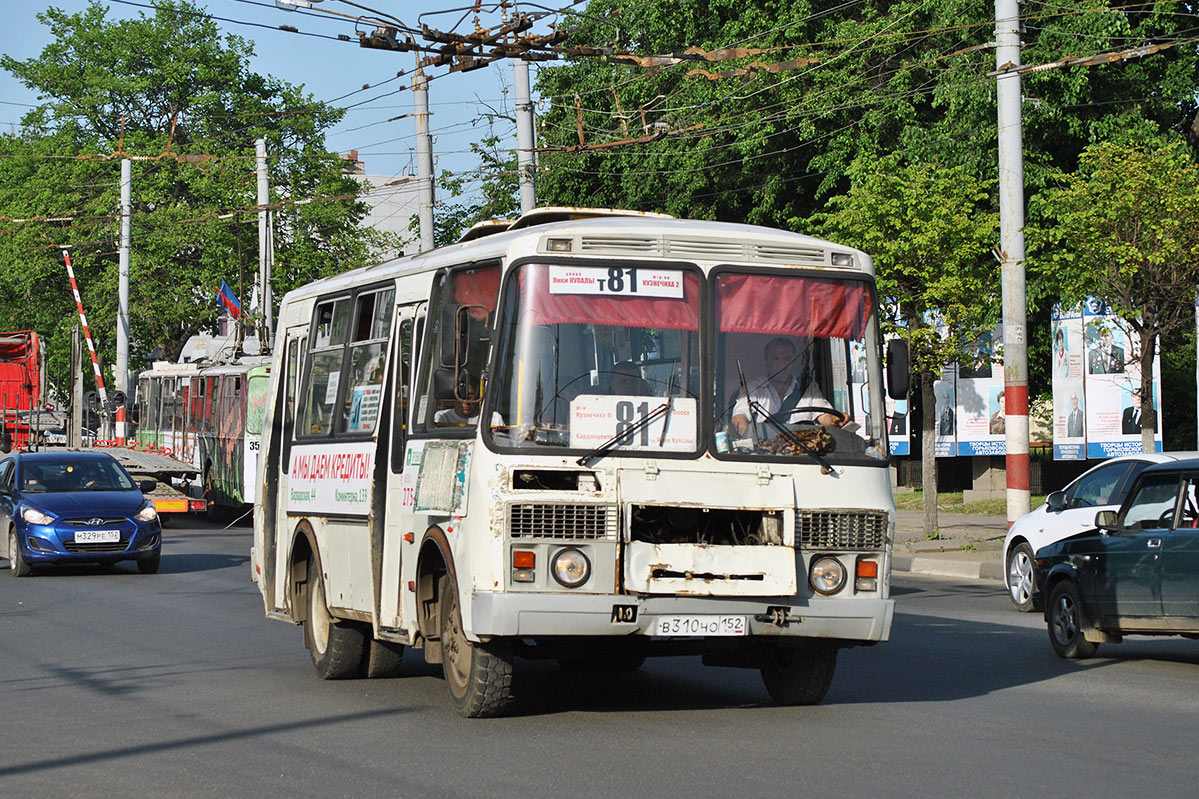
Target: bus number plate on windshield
(700,625)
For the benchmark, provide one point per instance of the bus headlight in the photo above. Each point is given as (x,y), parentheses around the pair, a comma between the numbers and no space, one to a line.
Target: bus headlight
(570,567)
(827,575)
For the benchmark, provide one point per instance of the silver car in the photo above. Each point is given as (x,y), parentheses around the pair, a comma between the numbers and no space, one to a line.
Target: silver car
(1069,512)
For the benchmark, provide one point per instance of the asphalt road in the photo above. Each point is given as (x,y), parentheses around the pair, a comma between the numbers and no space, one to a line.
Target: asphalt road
(176,685)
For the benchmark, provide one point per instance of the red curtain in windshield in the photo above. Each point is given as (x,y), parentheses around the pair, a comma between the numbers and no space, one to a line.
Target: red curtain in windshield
(544,308)
(477,287)
(795,306)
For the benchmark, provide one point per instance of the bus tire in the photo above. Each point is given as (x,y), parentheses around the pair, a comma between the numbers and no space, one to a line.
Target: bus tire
(382,659)
(479,676)
(799,676)
(337,647)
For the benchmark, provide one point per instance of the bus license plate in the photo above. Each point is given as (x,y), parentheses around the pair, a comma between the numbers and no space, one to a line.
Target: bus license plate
(700,625)
(97,536)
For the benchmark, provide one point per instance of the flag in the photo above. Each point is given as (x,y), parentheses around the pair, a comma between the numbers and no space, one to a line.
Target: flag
(228,300)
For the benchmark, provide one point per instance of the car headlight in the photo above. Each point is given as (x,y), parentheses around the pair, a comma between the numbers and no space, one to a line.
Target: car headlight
(827,575)
(35,516)
(570,567)
(146,514)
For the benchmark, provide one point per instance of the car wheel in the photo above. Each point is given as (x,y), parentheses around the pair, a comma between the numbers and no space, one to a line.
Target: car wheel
(149,565)
(16,561)
(1020,577)
(479,676)
(1065,623)
(799,676)
(337,647)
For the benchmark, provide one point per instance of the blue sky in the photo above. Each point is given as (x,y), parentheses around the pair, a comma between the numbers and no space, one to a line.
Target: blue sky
(327,69)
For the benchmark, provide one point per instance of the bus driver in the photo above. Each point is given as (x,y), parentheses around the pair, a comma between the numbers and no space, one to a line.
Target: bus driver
(781,393)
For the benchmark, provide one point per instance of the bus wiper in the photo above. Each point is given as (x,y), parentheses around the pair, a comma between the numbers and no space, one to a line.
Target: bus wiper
(756,409)
(669,408)
(628,432)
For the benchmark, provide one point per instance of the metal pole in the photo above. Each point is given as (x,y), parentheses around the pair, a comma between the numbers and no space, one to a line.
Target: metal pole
(265,244)
(1196,370)
(524,136)
(424,158)
(1011,227)
(122,371)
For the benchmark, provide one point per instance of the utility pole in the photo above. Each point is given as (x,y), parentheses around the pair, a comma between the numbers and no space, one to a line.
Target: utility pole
(524,136)
(265,247)
(1011,253)
(424,158)
(122,370)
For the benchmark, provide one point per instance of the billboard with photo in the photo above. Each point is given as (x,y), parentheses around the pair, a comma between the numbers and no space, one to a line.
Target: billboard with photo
(1069,398)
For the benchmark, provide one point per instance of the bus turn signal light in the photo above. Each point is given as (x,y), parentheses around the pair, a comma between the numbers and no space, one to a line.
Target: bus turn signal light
(866,576)
(523,563)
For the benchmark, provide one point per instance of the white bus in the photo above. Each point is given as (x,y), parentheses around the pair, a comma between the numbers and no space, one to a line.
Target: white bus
(607,509)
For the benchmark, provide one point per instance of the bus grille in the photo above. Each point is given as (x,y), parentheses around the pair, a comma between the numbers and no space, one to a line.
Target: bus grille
(570,522)
(853,529)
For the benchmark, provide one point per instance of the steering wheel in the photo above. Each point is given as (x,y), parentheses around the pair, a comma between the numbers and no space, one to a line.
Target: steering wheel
(1166,519)
(842,418)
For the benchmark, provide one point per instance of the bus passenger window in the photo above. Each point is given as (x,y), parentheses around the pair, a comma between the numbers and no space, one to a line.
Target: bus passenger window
(364,392)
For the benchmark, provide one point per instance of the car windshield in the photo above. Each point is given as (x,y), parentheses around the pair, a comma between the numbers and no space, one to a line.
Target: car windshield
(53,476)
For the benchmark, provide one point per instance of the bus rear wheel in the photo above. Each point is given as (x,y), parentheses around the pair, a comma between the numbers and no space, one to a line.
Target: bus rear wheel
(337,647)
(799,676)
(479,676)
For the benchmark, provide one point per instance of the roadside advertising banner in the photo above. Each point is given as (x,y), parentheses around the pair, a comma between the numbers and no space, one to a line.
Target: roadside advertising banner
(1069,399)
(944,395)
(981,421)
(1112,383)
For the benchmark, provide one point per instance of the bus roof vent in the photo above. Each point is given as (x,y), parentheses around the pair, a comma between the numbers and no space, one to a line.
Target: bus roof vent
(711,249)
(543,216)
(637,245)
(782,254)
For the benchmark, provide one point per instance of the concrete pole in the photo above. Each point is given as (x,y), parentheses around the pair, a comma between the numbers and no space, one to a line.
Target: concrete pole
(1011,231)
(424,159)
(1196,372)
(265,243)
(122,371)
(524,136)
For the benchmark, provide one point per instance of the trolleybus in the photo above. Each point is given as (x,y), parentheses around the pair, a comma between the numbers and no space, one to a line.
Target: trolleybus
(524,445)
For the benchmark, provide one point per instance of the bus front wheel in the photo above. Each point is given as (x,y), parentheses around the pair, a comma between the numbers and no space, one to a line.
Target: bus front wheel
(799,676)
(337,647)
(479,676)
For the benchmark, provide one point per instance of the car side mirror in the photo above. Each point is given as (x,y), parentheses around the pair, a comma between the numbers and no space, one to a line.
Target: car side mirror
(1105,520)
(1056,500)
(147,486)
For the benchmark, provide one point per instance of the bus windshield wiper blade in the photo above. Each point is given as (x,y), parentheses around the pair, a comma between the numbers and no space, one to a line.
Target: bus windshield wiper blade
(787,433)
(628,431)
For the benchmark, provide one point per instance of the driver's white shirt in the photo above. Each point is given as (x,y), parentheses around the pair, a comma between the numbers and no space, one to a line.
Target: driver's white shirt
(768,398)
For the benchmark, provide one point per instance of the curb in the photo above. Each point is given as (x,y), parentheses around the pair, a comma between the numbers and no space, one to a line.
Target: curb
(944,567)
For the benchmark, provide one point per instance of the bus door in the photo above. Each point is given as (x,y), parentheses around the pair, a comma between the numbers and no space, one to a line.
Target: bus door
(399,475)
(277,461)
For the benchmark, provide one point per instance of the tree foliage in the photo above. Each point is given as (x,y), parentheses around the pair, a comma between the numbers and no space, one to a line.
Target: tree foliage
(166,89)
(1125,228)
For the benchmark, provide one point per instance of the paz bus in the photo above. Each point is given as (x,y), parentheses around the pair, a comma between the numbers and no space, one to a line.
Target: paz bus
(450,463)
(208,415)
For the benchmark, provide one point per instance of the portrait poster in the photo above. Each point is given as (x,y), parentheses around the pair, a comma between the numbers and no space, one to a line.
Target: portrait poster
(981,416)
(1112,383)
(945,415)
(1069,399)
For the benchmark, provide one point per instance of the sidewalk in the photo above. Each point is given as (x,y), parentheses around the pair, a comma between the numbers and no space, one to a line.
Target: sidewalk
(969,545)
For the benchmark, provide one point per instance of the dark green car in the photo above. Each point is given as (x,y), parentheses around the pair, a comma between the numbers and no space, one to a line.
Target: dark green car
(1137,573)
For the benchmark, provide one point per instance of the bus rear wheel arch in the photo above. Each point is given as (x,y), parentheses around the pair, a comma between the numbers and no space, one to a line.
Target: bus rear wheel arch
(338,647)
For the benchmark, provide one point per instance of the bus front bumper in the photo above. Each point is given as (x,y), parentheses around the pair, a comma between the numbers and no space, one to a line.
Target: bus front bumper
(528,615)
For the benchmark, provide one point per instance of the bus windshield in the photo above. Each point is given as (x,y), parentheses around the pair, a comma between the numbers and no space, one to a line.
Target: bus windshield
(595,356)
(793,366)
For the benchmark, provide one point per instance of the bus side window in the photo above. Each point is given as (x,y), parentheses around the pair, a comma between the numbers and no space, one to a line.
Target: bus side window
(403,378)
(364,392)
(322,378)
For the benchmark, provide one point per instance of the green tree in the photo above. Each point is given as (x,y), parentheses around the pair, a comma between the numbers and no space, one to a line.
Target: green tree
(930,231)
(167,89)
(1125,228)
(498,193)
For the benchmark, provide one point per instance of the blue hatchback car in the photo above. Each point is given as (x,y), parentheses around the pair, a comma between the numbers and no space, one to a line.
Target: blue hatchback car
(75,507)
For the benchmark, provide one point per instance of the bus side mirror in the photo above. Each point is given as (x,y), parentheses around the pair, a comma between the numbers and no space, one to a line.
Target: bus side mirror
(899,369)
(1105,520)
